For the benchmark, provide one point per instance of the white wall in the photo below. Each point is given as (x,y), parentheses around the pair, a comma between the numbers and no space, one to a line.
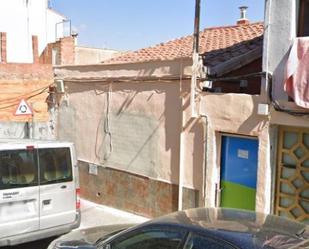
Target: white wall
(84,55)
(21,19)
(280,32)
(52,19)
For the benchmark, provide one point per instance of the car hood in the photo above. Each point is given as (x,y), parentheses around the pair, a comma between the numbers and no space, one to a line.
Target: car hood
(90,235)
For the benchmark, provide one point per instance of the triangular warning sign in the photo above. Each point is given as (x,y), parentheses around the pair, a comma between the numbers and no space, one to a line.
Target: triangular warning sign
(23,108)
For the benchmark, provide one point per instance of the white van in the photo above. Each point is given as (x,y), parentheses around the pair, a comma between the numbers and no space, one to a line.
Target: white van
(39,190)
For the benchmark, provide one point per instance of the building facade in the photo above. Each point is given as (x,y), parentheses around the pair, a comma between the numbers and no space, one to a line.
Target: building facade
(285,52)
(139,147)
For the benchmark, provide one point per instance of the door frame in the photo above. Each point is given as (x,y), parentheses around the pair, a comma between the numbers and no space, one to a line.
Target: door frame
(219,150)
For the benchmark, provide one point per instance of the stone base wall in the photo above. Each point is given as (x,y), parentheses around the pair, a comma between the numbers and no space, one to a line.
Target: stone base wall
(133,193)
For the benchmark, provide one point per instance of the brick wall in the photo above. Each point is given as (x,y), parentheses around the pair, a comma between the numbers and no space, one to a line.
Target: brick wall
(64,49)
(30,81)
(24,81)
(133,193)
(67,50)
(3,47)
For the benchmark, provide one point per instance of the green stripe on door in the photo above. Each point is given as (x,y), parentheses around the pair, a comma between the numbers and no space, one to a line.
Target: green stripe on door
(234,195)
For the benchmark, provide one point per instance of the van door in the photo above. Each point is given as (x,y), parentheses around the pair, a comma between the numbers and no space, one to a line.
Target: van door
(57,187)
(19,192)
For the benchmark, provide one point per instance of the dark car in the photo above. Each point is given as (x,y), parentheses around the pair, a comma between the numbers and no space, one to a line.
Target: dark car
(204,228)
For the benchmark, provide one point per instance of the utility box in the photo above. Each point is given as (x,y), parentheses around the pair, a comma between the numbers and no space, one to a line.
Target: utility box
(60,86)
(263,109)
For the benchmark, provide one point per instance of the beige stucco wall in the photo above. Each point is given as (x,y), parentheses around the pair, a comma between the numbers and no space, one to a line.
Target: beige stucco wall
(236,114)
(150,104)
(193,143)
(85,55)
(281,118)
(134,71)
(145,119)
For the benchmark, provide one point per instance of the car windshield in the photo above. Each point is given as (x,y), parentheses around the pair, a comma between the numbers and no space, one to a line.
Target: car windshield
(145,239)
(101,240)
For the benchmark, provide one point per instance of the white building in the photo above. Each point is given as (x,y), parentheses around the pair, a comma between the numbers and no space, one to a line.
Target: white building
(21,19)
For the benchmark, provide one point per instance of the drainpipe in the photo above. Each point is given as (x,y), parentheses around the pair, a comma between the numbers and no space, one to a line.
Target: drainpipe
(181,167)
(204,190)
(268,89)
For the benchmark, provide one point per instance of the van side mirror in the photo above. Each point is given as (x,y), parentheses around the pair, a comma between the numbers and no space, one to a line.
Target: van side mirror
(74,244)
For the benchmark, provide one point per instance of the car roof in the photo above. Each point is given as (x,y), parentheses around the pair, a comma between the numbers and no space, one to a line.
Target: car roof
(237,225)
(239,228)
(232,219)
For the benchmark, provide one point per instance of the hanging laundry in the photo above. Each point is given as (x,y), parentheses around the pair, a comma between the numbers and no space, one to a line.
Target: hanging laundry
(296,84)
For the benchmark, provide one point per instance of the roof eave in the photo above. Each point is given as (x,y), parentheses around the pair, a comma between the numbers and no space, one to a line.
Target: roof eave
(235,63)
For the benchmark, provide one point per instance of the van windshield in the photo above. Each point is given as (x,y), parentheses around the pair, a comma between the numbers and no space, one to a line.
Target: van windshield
(18,168)
(55,165)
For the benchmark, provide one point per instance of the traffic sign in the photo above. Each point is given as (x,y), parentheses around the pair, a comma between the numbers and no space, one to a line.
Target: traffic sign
(23,108)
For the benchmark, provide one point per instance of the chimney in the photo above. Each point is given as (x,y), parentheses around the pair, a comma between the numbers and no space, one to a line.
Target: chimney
(74,35)
(243,18)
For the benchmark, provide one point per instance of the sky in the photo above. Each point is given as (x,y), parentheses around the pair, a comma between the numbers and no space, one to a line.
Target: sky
(132,24)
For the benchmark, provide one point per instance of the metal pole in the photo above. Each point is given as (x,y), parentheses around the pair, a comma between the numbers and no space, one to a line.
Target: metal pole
(195,56)
(32,123)
(196,26)
(195,67)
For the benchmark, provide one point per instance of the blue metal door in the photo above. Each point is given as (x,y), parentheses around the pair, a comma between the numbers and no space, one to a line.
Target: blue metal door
(238,172)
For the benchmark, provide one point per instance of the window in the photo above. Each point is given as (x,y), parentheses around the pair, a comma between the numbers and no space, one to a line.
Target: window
(17,169)
(201,242)
(303,18)
(151,239)
(55,165)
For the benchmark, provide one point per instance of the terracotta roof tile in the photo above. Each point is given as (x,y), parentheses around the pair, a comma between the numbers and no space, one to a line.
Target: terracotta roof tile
(217,44)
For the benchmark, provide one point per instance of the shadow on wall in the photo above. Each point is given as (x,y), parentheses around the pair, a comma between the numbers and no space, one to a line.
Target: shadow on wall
(194,127)
(254,122)
(136,128)
(278,79)
(144,122)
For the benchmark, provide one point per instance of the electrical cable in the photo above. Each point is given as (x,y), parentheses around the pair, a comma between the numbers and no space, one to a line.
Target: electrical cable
(276,105)
(107,123)
(17,98)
